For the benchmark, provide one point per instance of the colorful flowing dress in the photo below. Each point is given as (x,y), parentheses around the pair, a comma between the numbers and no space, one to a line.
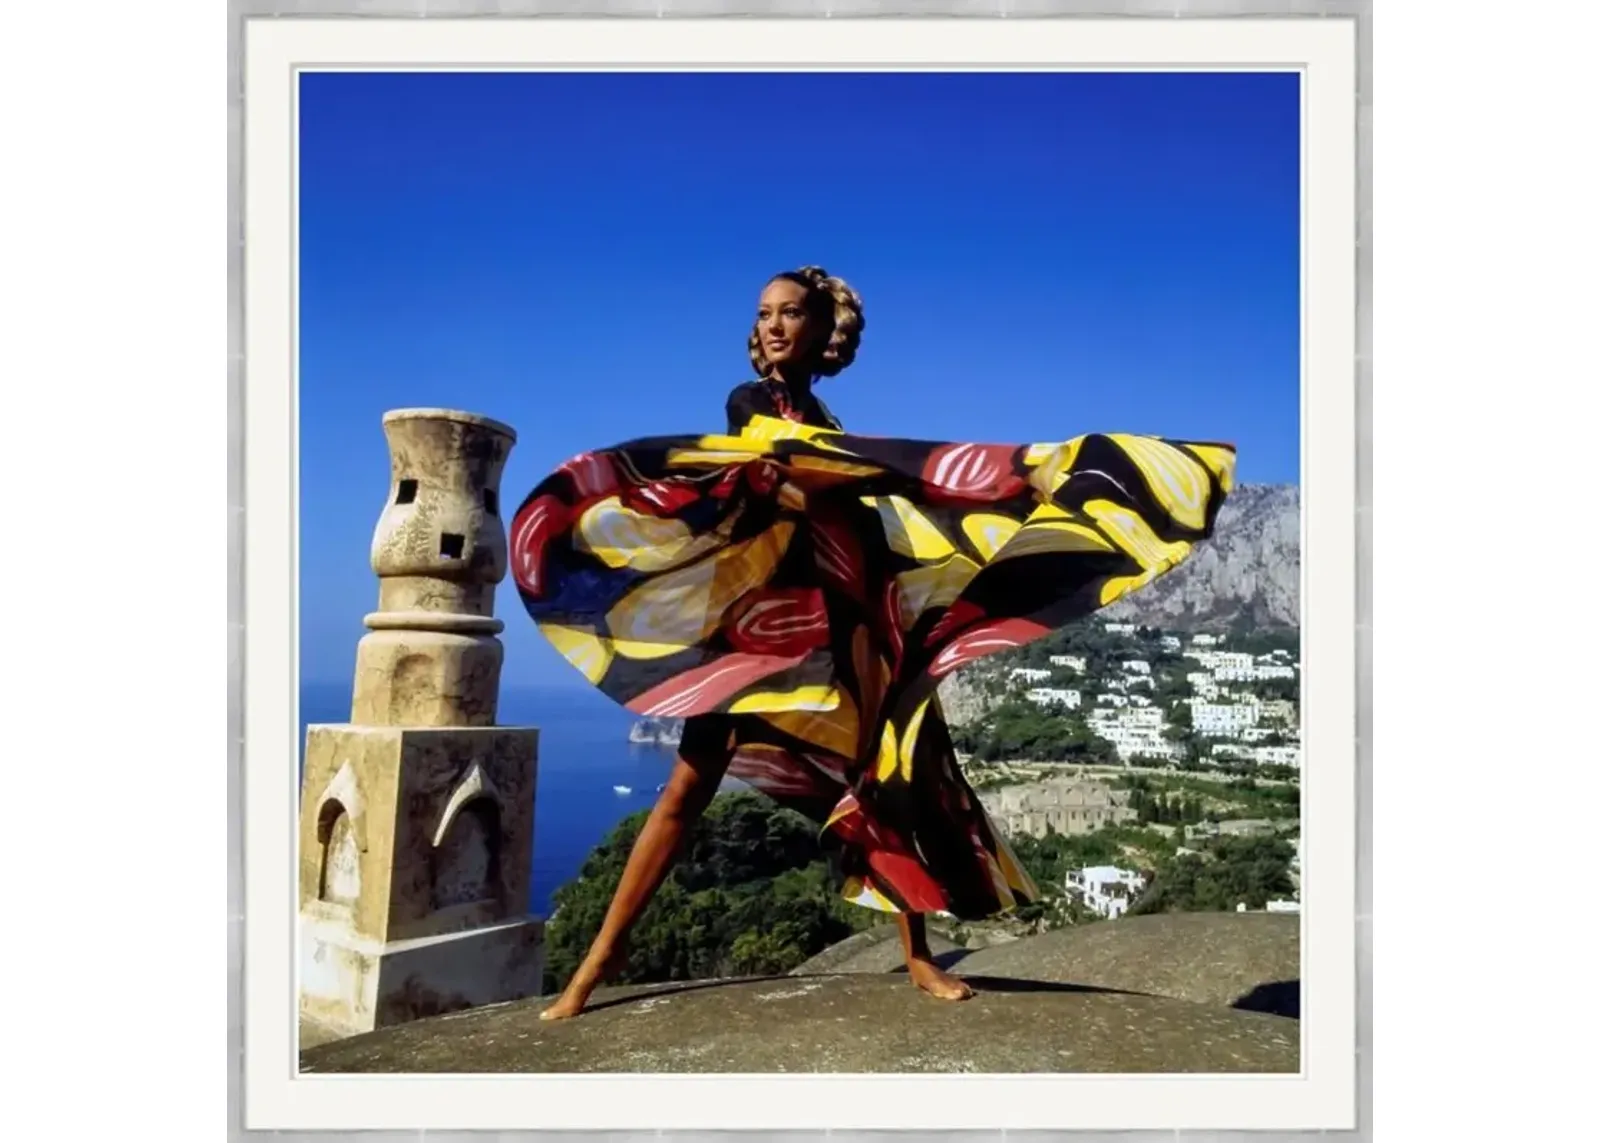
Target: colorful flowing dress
(798,593)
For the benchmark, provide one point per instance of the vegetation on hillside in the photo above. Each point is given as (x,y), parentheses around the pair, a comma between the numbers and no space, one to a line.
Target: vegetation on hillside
(752,895)
(1242,798)
(1017,728)
(1252,870)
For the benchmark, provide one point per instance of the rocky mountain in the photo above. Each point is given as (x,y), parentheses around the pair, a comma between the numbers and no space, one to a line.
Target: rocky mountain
(1246,575)
(963,696)
(656,732)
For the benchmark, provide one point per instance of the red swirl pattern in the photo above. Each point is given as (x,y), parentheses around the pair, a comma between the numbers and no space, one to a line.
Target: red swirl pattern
(660,497)
(957,472)
(961,613)
(985,639)
(838,553)
(538,521)
(592,474)
(780,621)
(891,621)
(702,689)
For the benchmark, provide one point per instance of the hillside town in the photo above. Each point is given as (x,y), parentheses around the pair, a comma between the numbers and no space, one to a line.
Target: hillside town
(1140,767)
(1199,702)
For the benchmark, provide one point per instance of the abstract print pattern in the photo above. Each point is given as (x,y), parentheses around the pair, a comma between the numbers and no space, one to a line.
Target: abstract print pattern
(813,587)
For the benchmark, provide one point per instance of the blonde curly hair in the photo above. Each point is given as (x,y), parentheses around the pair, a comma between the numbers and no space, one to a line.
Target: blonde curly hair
(834,307)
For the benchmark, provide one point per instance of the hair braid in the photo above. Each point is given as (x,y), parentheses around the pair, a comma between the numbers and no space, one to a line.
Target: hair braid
(834,306)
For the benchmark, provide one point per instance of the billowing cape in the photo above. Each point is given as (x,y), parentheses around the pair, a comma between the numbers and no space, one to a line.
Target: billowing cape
(810,589)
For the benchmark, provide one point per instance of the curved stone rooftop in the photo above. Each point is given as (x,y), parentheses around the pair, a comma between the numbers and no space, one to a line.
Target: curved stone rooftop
(1216,992)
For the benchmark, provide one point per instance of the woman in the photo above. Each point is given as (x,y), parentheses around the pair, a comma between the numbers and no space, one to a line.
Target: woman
(798,594)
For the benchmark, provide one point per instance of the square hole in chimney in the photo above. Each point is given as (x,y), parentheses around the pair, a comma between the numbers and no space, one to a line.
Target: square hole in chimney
(406,493)
(491,502)
(451,545)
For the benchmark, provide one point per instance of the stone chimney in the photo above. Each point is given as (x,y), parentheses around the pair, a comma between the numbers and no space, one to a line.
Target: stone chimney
(416,817)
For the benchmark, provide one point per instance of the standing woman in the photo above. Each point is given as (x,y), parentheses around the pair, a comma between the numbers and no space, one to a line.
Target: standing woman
(797,594)
(808,326)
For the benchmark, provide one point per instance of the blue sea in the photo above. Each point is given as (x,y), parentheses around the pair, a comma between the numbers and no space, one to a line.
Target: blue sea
(583,753)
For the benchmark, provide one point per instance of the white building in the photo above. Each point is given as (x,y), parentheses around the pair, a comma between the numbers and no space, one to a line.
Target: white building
(1283,906)
(1220,720)
(1028,674)
(1055,696)
(1204,641)
(1280,711)
(1276,756)
(1142,716)
(1170,643)
(1112,699)
(1136,667)
(1076,662)
(1121,628)
(1135,732)
(1105,889)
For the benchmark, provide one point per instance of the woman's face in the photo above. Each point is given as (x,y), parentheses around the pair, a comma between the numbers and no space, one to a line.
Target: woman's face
(784,328)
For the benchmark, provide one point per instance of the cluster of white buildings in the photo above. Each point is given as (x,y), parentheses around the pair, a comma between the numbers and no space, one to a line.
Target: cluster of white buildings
(1235,722)
(1105,889)
(1115,699)
(1260,755)
(1028,675)
(1243,727)
(1055,696)
(1240,667)
(1136,732)
(1224,720)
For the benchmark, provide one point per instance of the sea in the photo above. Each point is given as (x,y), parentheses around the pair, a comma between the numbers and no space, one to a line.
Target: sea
(584,754)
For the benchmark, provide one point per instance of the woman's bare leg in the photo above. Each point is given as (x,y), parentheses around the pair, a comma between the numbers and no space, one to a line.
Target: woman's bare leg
(919,960)
(688,792)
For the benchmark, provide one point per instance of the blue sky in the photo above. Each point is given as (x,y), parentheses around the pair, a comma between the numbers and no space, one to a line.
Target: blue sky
(579,255)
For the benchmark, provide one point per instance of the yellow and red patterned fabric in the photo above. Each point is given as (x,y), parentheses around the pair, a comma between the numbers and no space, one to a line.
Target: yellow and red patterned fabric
(811,588)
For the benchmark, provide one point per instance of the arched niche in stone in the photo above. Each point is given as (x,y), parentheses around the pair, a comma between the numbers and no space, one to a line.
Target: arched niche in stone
(339,874)
(465,860)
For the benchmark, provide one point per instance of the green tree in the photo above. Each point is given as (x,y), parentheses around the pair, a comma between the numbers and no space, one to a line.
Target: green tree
(752,893)
(1253,870)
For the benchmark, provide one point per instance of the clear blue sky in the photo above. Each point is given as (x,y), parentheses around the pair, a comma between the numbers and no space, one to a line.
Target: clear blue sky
(579,255)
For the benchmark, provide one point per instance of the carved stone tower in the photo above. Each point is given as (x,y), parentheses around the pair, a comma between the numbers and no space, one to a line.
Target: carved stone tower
(416,817)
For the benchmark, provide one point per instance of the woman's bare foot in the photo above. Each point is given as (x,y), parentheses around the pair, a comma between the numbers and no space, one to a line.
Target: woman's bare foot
(935,981)
(593,970)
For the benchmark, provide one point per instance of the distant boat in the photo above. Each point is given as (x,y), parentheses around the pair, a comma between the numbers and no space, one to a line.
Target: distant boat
(623,789)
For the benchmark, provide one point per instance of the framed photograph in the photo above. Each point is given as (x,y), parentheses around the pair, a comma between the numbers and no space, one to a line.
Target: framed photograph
(807,563)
